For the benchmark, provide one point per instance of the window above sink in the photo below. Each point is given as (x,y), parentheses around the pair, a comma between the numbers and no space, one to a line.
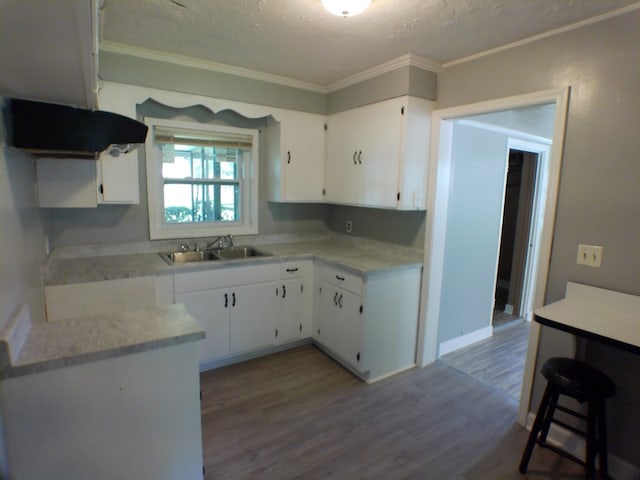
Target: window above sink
(202,179)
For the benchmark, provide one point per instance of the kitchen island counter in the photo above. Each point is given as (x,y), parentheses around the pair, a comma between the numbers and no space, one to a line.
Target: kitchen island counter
(27,348)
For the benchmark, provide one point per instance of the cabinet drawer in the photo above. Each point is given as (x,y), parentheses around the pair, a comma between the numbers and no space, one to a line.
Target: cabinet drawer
(295,269)
(225,277)
(341,278)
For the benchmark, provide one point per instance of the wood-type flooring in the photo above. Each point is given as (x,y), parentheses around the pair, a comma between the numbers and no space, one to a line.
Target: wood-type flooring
(299,415)
(498,360)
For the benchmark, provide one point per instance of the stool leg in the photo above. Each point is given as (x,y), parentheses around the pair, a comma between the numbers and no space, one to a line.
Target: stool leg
(602,439)
(535,429)
(553,401)
(592,408)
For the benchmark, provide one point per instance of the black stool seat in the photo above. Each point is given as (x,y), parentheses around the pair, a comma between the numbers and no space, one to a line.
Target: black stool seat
(577,379)
(584,383)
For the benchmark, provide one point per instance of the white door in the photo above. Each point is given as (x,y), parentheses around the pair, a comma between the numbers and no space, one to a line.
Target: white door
(291,310)
(304,157)
(210,308)
(348,338)
(252,318)
(340,322)
(380,131)
(343,179)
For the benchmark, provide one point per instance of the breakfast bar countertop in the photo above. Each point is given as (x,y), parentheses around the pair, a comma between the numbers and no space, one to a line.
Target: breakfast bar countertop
(27,348)
(358,255)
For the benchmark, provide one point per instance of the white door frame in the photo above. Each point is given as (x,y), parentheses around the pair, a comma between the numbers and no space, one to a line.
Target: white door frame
(438,187)
(536,220)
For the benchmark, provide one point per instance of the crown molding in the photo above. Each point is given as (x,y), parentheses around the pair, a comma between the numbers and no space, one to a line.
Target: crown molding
(406,60)
(185,61)
(550,33)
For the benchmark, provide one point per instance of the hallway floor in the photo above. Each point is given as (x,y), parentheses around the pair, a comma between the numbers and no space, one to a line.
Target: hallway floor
(497,361)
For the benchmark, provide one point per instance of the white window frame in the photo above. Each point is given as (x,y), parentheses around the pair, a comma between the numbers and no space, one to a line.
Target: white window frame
(158,228)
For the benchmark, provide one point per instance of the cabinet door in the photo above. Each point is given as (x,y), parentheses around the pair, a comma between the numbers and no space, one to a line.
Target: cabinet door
(303,157)
(292,314)
(118,176)
(339,322)
(348,339)
(363,150)
(118,179)
(66,183)
(252,317)
(380,134)
(210,308)
(343,180)
(327,329)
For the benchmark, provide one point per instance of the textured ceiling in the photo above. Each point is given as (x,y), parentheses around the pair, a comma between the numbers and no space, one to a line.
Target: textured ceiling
(298,39)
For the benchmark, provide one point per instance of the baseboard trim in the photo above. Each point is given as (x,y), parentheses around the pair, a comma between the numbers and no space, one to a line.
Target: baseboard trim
(574,444)
(465,340)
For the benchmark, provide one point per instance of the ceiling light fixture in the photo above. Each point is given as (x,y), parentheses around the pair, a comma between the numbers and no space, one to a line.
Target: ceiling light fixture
(346,8)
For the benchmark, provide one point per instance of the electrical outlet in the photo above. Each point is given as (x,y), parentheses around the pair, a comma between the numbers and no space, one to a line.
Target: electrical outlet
(349,226)
(590,255)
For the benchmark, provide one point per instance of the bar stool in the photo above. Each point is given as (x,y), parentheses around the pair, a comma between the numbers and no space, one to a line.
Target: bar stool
(575,379)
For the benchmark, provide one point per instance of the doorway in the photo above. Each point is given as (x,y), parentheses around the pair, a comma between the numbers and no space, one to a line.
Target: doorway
(441,172)
(518,235)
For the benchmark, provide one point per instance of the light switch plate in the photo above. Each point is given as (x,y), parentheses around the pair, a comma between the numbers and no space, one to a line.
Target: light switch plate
(590,255)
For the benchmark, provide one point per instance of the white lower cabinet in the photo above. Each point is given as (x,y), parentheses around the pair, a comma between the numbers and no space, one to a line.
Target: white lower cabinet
(236,306)
(252,316)
(207,307)
(339,322)
(294,290)
(368,323)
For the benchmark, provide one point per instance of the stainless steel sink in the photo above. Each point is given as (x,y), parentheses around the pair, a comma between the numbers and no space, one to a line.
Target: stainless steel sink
(189,257)
(232,253)
(240,252)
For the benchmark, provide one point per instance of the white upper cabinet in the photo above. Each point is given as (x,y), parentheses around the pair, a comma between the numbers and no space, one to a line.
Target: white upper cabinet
(73,183)
(296,157)
(118,176)
(377,155)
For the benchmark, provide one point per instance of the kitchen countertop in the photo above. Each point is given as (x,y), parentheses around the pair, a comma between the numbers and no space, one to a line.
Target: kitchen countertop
(357,255)
(27,348)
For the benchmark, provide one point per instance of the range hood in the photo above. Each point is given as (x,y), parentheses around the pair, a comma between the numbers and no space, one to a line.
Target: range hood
(60,131)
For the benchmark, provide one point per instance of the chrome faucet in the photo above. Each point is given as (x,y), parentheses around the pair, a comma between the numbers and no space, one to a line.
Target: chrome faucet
(220,241)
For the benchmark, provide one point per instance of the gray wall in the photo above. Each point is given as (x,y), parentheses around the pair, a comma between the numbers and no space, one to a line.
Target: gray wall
(21,243)
(599,192)
(403,81)
(400,228)
(473,230)
(120,68)
(22,232)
